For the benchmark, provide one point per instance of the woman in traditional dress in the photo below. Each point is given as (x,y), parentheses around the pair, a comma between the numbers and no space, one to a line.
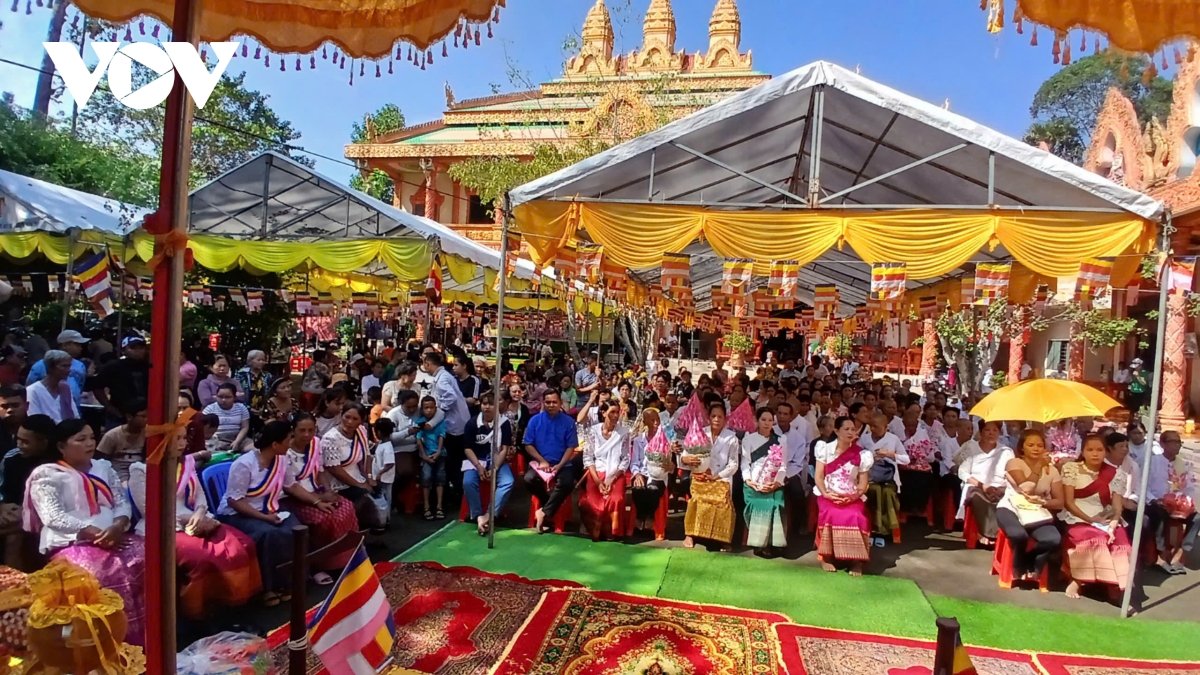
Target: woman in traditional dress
(764,455)
(606,461)
(1034,489)
(917,478)
(77,505)
(218,561)
(649,476)
(346,452)
(843,529)
(327,514)
(257,481)
(710,513)
(1097,546)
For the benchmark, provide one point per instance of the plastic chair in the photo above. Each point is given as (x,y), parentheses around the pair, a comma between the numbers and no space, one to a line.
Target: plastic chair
(1002,561)
(410,497)
(970,529)
(560,517)
(660,517)
(214,479)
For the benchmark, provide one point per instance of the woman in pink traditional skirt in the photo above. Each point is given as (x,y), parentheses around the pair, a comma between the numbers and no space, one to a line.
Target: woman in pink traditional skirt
(843,529)
(330,515)
(606,460)
(1097,547)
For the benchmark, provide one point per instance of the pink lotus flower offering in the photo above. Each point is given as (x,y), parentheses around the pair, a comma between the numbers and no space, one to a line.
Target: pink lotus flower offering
(742,418)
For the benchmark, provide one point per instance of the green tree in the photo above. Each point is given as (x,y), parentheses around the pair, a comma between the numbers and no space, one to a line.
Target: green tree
(1065,107)
(377,184)
(387,119)
(34,146)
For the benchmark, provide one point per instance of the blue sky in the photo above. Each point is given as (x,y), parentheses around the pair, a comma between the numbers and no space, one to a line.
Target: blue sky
(932,49)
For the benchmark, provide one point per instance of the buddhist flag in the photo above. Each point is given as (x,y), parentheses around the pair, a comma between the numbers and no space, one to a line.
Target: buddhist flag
(928,306)
(254,300)
(614,276)
(967,291)
(92,274)
(1182,272)
(785,277)
(418,305)
(962,660)
(991,282)
(433,285)
(1039,302)
(324,303)
(589,257)
(1094,276)
(358,304)
(303,304)
(566,264)
(888,280)
(237,296)
(825,301)
(717,296)
(1132,291)
(736,275)
(53,283)
(353,631)
(676,271)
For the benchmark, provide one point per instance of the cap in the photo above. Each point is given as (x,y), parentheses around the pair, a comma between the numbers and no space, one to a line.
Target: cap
(1135,363)
(71,336)
(356,358)
(132,340)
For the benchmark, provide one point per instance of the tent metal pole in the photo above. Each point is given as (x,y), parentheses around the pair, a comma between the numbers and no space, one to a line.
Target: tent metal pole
(650,188)
(266,189)
(497,376)
(121,292)
(739,172)
(991,177)
(72,238)
(834,207)
(814,170)
(1164,276)
(893,172)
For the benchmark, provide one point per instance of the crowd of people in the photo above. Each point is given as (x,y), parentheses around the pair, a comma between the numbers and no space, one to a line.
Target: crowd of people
(759,460)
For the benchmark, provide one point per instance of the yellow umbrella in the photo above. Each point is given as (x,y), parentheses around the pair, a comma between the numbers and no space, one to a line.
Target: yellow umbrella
(1044,401)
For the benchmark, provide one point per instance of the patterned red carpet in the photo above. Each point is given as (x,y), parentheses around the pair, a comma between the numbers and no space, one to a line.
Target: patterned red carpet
(592,633)
(463,621)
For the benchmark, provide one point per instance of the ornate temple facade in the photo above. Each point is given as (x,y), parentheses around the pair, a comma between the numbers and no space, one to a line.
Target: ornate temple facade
(1159,158)
(602,95)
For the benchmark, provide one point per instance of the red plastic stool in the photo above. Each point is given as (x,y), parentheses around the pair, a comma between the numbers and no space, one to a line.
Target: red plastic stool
(560,517)
(660,517)
(1002,561)
(812,509)
(410,497)
(970,529)
(464,511)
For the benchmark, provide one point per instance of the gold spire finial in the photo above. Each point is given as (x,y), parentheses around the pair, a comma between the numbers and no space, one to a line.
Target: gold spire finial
(595,54)
(660,25)
(724,40)
(598,26)
(725,19)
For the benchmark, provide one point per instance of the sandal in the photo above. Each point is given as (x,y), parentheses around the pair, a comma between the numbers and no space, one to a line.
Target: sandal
(322,579)
(428,514)
(270,599)
(285,597)
(441,515)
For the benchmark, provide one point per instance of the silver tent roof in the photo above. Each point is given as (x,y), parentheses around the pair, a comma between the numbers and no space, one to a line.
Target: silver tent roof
(32,205)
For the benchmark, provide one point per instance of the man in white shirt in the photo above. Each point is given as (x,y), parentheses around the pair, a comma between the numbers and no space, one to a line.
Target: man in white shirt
(981,469)
(789,370)
(1159,486)
(452,404)
(795,434)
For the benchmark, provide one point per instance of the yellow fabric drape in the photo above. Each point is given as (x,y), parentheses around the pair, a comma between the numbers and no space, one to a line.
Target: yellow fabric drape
(1132,25)
(461,270)
(932,243)
(362,28)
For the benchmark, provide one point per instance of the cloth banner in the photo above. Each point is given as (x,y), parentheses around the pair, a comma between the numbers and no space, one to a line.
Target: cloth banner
(967,294)
(928,306)
(676,271)
(1039,300)
(1132,290)
(825,301)
(991,282)
(1094,277)
(736,275)
(566,264)
(588,258)
(1182,272)
(614,276)
(785,277)
(888,280)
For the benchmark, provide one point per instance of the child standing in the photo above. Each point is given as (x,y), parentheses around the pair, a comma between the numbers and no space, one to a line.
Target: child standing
(383,468)
(431,440)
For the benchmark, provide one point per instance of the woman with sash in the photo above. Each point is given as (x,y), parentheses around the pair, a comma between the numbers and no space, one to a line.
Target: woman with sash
(917,477)
(346,452)
(1034,488)
(77,506)
(843,469)
(218,561)
(649,467)
(764,465)
(606,460)
(328,515)
(710,513)
(257,481)
(1097,546)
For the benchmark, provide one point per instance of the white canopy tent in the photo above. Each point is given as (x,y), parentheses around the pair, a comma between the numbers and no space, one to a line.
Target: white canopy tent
(825,138)
(32,205)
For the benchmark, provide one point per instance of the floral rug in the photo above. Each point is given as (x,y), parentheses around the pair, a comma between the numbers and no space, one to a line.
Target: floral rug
(579,632)
(819,651)
(448,621)
(1058,664)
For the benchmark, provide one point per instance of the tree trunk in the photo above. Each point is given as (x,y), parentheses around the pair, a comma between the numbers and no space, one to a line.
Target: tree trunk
(45,83)
(623,334)
(572,326)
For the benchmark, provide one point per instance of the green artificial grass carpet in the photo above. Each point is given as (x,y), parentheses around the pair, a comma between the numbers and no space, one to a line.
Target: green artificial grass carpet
(809,596)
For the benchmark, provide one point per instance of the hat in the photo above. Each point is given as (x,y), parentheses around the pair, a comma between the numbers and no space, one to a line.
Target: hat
(1136,363)
(132,340)
(12,350)
(71,336)
(356,358)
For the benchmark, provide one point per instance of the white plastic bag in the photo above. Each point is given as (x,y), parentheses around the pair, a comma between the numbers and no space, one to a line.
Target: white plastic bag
(226,654)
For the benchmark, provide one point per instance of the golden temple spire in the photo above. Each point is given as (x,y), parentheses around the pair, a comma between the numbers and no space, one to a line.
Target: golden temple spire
(596,53)
(659,29)
(725,23)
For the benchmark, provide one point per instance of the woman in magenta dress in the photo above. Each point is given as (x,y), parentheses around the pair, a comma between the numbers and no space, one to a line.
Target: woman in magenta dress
(843,529)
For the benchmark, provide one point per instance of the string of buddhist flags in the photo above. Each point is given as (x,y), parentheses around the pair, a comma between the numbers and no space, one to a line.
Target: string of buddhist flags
(991,282)
(889,280)
(736,275)
(1094,276)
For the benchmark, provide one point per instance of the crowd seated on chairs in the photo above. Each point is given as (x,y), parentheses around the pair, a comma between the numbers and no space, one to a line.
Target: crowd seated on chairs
(819,453)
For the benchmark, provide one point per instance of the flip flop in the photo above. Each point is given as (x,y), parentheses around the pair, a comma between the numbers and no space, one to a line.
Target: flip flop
(270,600)
(322,579)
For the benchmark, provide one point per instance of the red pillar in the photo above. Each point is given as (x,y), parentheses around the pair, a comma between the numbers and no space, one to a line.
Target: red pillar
(1174,364)
(1017,344)
(929,348)
(1078,352)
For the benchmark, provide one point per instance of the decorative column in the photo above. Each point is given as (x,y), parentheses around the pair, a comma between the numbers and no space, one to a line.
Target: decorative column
(929,349)
(1017,344)
(1174,364)
(454,214)
(431,201)
(1078,351)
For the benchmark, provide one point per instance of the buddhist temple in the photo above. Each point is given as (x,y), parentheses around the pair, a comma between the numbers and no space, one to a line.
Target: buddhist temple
(1159,158)
(601,95)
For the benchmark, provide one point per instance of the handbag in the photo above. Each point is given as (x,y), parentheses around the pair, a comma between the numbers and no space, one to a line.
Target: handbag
(1030,514)
(882,472)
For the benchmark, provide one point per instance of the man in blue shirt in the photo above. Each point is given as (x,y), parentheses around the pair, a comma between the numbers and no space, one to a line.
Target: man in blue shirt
(71,342)
(551,441)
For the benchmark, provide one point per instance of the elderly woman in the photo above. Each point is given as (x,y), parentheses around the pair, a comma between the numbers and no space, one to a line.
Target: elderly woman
(77,506)
(982,473)
(764,459)
(1034,489)
(207,390)
(255,381)
(917,477)
(606,461)
(1097,546)
(280,405)
(842,472)
(346,453)
(51,395)
(218,561)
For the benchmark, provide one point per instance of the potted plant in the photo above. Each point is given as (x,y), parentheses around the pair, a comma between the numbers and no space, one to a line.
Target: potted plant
(739,344)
